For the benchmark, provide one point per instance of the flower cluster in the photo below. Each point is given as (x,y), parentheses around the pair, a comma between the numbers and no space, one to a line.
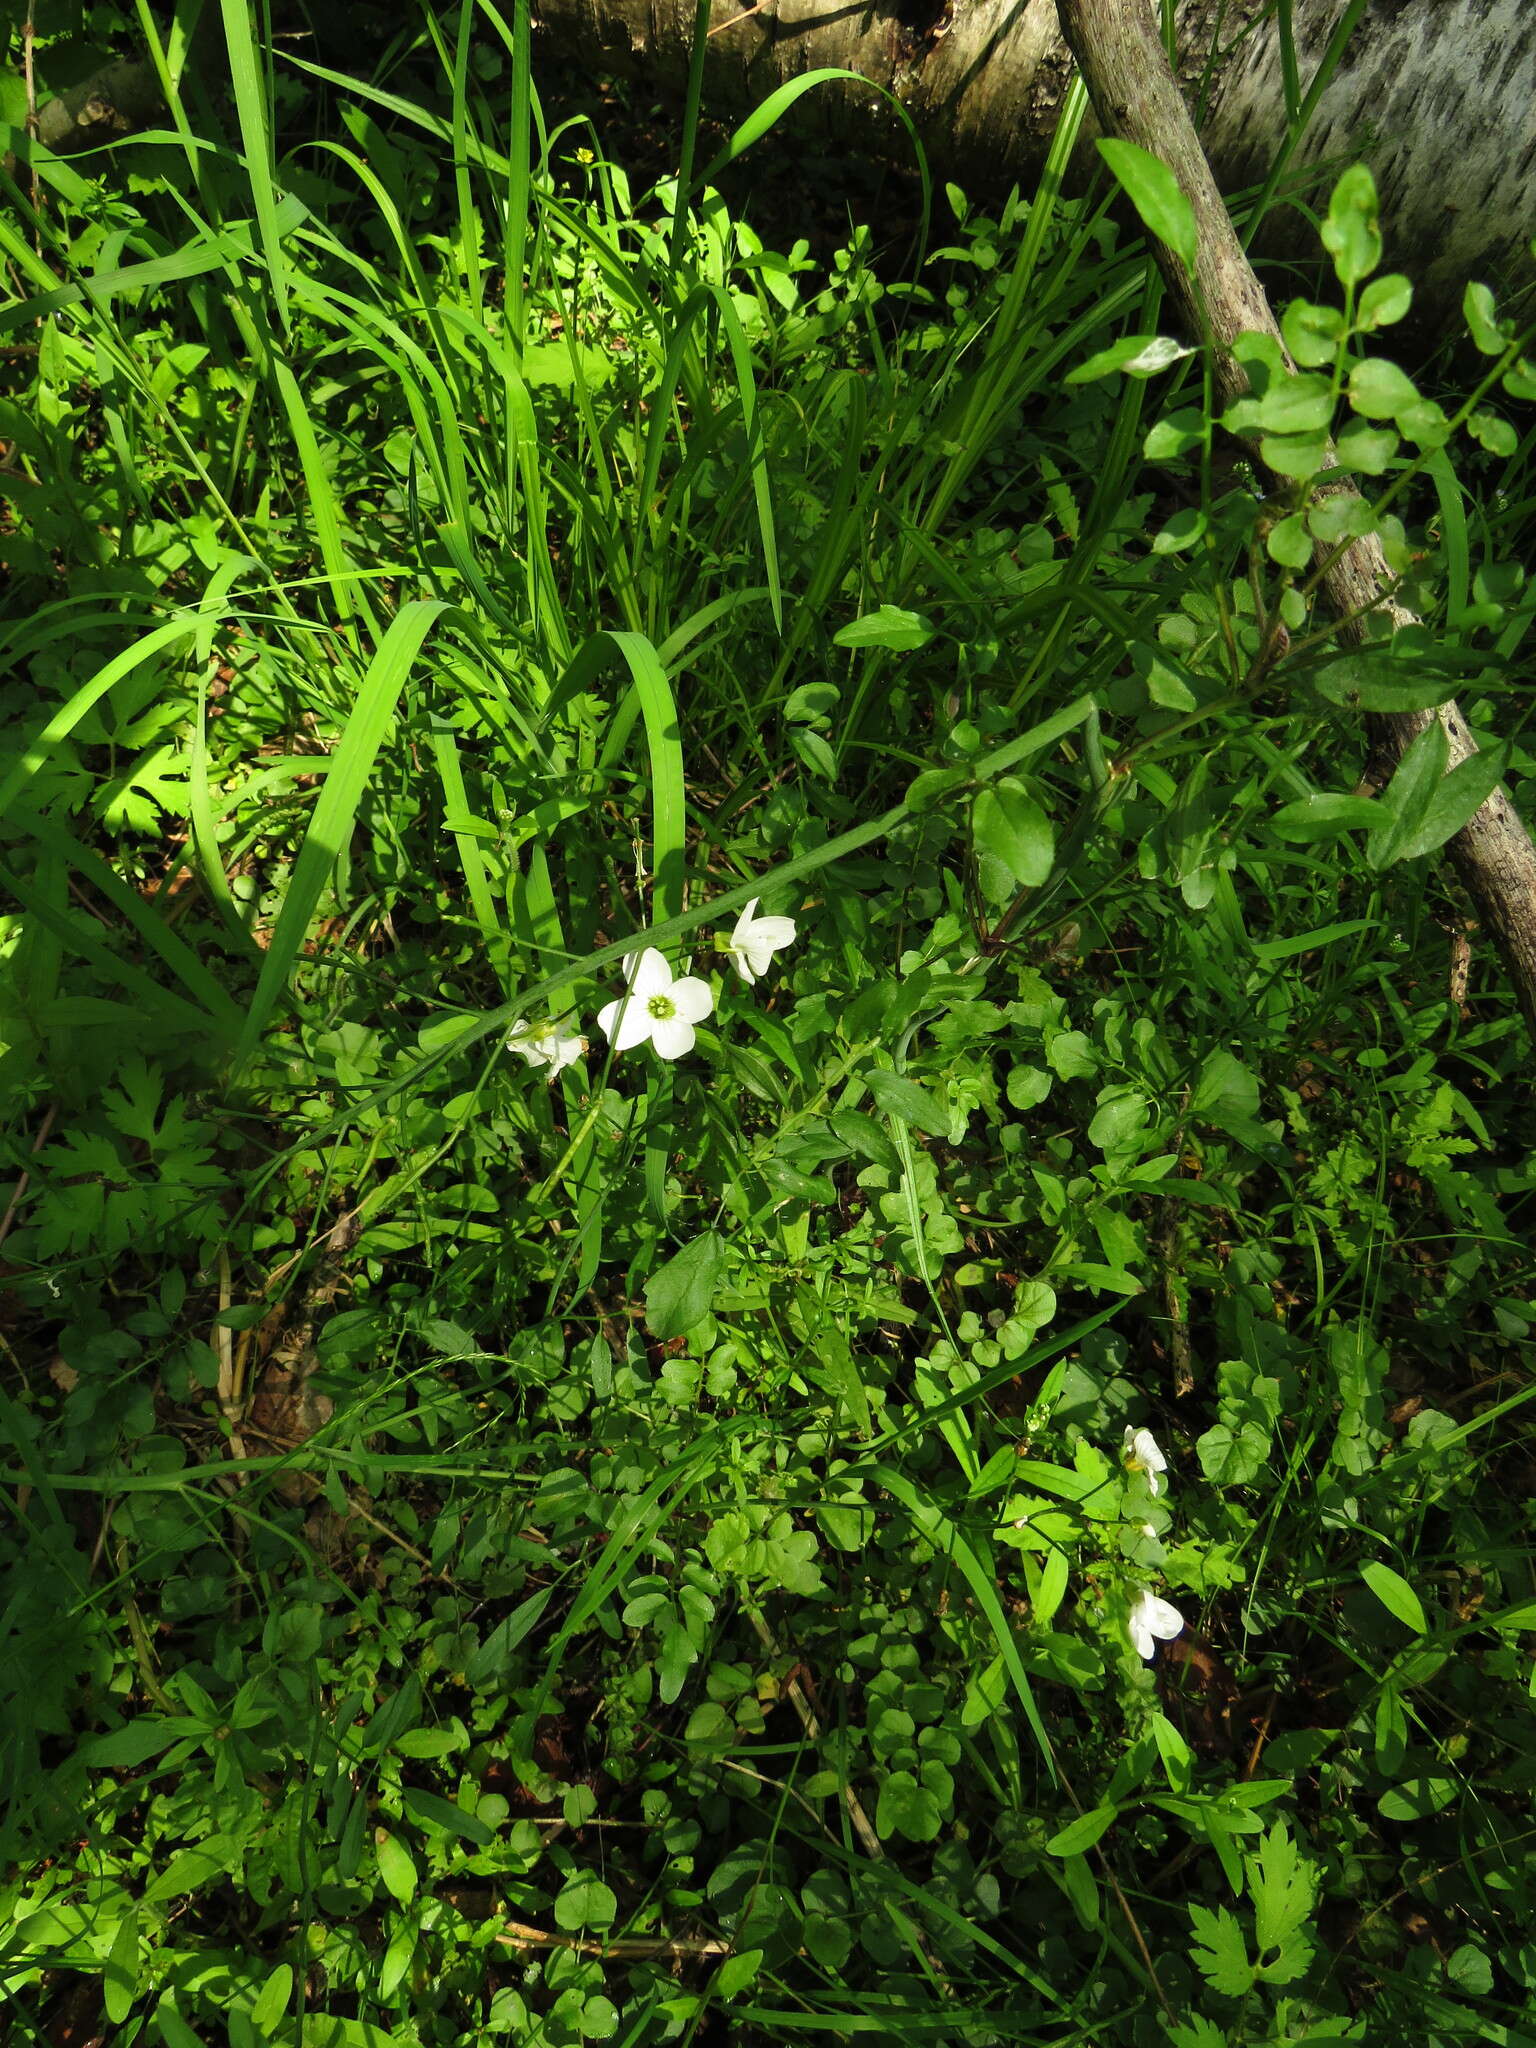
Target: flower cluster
(657,1008)
(1152,1620)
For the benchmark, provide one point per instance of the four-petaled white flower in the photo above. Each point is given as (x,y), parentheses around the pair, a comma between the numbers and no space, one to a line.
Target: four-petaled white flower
(1141,1454)
(1153,1620)
(542,1045)
(755,940)
(656,1007)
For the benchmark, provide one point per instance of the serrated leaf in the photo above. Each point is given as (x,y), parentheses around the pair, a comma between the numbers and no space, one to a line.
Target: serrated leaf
(1219,1952)
(1282,1886)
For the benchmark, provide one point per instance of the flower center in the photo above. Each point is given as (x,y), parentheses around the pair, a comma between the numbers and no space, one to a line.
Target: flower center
(661,1007)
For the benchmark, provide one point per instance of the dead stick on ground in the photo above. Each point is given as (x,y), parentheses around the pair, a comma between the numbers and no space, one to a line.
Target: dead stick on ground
(1136,97)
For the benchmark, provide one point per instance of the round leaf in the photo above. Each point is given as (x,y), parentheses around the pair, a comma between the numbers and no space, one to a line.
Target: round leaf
(585,1901)
(1008,824)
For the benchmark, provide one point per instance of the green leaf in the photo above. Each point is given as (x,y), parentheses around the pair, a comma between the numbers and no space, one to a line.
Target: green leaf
(890,626)
(1325,815)
(272,2001)
(174,2031)
(1457,799)
(1417,1798)
(907,1102)
(1134,355)
(433,1811)
(1289,542)
(680,1294)
(1380,390)
(1396,1595)
(1008,824)
(326,2030)
(1380,682)
(1083,1832)
(1157,196)
(1366,448)
(1482,317)
(929,789)
(1351,234)
(860,1133)
(1384,301)
(396,1866)
(1296,405)
(1470,1970)
(1493,432)
(737,1972)
(1282,1885)
(491,1663)
(585,1901)
(1294,455)
(907,1807)
(136,1744)
(120,1972)
(1182,530)
(1409,794)
(1219,1951)
(1312,333)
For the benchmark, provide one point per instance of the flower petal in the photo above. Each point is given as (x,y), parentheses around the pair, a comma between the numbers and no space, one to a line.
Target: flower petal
(567,1050)
(652,977)
(671,1036)
(1152,1618)
(525,1043)
(744,922)
(693,998)
(630,1029)
(774,932)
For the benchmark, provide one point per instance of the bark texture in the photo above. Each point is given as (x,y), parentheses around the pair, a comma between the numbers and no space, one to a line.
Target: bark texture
(1136,96)
(112,103)
(1439,96)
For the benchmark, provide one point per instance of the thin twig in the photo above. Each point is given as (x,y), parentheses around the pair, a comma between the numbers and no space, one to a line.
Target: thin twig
(28,33)
(862,1825)
(25,1179)
(637,1949)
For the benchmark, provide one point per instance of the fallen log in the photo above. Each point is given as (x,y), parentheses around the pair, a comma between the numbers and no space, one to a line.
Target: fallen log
(1435,95)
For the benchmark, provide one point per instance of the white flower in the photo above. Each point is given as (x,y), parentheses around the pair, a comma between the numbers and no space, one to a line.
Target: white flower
(755,940)
(656,1007)
(1141,1454)
(1153,1618)
(542,1046)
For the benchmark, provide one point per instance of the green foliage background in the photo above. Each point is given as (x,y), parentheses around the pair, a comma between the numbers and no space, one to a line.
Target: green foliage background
(646,1556)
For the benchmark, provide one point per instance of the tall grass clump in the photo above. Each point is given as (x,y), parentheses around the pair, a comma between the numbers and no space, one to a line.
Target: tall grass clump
(766,1265)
